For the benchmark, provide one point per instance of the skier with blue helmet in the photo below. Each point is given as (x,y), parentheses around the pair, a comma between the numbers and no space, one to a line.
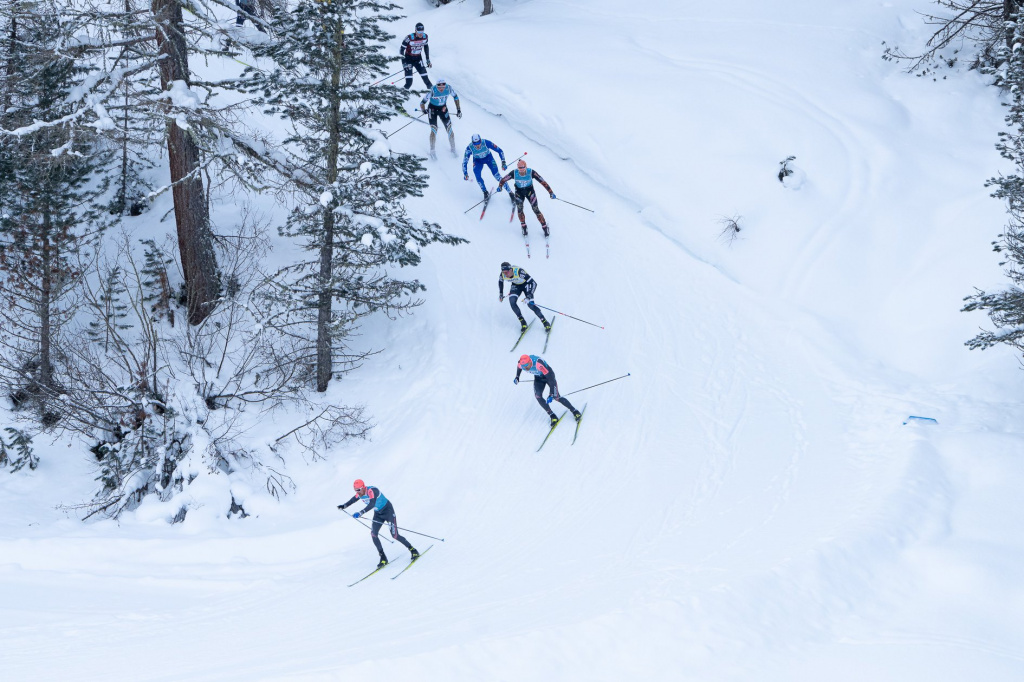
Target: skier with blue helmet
(480,150)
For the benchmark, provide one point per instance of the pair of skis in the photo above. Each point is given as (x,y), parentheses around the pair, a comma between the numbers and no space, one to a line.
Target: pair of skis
(407,567)
(526,238)
(555,426)
(547,336)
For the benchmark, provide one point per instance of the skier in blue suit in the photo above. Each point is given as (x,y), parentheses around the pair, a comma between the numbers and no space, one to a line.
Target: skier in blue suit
(480,150)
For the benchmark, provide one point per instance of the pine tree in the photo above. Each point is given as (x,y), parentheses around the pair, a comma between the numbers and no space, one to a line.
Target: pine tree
(1006,308)
(49,214)
(348,186)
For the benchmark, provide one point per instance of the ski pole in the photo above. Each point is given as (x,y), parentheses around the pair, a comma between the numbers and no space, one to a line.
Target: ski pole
(572,204)
(495,191)
(601,384)
(388,135)
(569,316)
(423,534)
(371,530)
(386,77)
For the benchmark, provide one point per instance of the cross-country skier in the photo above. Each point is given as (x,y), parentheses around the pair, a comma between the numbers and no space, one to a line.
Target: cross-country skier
(480,150)
(437,99)
(523,178)
(522,285)
(413,49)
(383,512)
(543,376)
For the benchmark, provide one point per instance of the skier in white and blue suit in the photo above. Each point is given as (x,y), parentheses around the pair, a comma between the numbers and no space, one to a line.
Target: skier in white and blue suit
(480,150)
(435,103)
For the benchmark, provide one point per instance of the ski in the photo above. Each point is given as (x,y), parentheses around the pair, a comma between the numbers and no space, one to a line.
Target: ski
(582,412)
(369,574)
(552,430)
(547,335)
(487,200)
(409,565)
(526,239)
(521,335)
(547,246)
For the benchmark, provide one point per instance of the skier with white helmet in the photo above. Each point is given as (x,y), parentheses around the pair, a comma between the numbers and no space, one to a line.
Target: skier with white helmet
(480,150)
(437,101)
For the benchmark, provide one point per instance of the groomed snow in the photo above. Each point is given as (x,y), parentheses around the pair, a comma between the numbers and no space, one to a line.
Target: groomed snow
(747,505)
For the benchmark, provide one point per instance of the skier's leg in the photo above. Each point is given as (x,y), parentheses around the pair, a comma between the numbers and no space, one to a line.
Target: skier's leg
(422,70)
(407,68)
(448,126)
(558,396)
(513,301)
(393,523)
(494,168)
(478,166)
(538,392)
(530,288)
(374,530)
(432,118)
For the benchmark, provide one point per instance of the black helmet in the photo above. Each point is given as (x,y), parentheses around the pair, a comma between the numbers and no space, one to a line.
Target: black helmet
(506,266)
(419,27)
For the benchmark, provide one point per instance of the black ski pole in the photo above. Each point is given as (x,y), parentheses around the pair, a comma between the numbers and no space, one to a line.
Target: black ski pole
(423,534)
(600,384)
(569,316)
(572,204)
(361,522)
(386,77)
(495,191)
(389,135)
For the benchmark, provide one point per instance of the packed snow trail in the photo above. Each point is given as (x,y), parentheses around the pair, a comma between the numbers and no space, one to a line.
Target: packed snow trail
(747,505)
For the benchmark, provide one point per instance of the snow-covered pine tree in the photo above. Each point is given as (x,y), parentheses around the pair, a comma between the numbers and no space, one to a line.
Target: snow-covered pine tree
(49,215)
(1006,308)
(347,185)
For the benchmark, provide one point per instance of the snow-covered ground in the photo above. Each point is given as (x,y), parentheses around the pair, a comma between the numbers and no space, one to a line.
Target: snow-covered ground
(747,505)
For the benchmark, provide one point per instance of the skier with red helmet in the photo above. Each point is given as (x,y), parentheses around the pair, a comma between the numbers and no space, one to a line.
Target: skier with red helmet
(543,376)
(522,177)
(383,512)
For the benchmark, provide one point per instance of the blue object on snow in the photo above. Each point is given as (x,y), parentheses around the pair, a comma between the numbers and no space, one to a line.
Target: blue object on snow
(923,419)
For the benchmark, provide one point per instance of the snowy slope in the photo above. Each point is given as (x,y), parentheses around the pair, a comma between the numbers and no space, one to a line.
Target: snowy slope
(746,505)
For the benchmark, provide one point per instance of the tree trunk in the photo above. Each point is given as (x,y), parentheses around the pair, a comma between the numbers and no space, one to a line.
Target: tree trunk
(1009,18)
(487,8)
(45,378)
(324,363)
(191,213)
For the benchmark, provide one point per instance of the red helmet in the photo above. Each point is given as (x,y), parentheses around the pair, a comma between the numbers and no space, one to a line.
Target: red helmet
(525,361)
(358,484)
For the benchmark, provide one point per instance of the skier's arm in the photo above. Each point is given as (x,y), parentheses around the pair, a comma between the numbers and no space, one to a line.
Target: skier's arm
(465,160)
(405,44)
(501,183)
(538,178)
(426,52)
(352,501)
(494,147)
(423,102)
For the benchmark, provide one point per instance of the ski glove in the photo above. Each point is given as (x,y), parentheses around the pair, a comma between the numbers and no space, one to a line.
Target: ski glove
(550,398)
(553,195)
(503,166)
(429,65)
(458,113)
(357,515)
(501,297)
(465,177)
(516,381)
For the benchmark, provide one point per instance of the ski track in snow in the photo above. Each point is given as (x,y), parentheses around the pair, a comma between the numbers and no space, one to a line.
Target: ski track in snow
(746,505)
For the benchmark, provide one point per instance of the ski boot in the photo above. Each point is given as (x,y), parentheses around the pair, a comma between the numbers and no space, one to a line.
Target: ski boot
(545,228)
(522,324)
(577,415)
(554,419)
(524,230)
(382,563)
(547,325)
(414,553)
(433,155)
(455,154)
